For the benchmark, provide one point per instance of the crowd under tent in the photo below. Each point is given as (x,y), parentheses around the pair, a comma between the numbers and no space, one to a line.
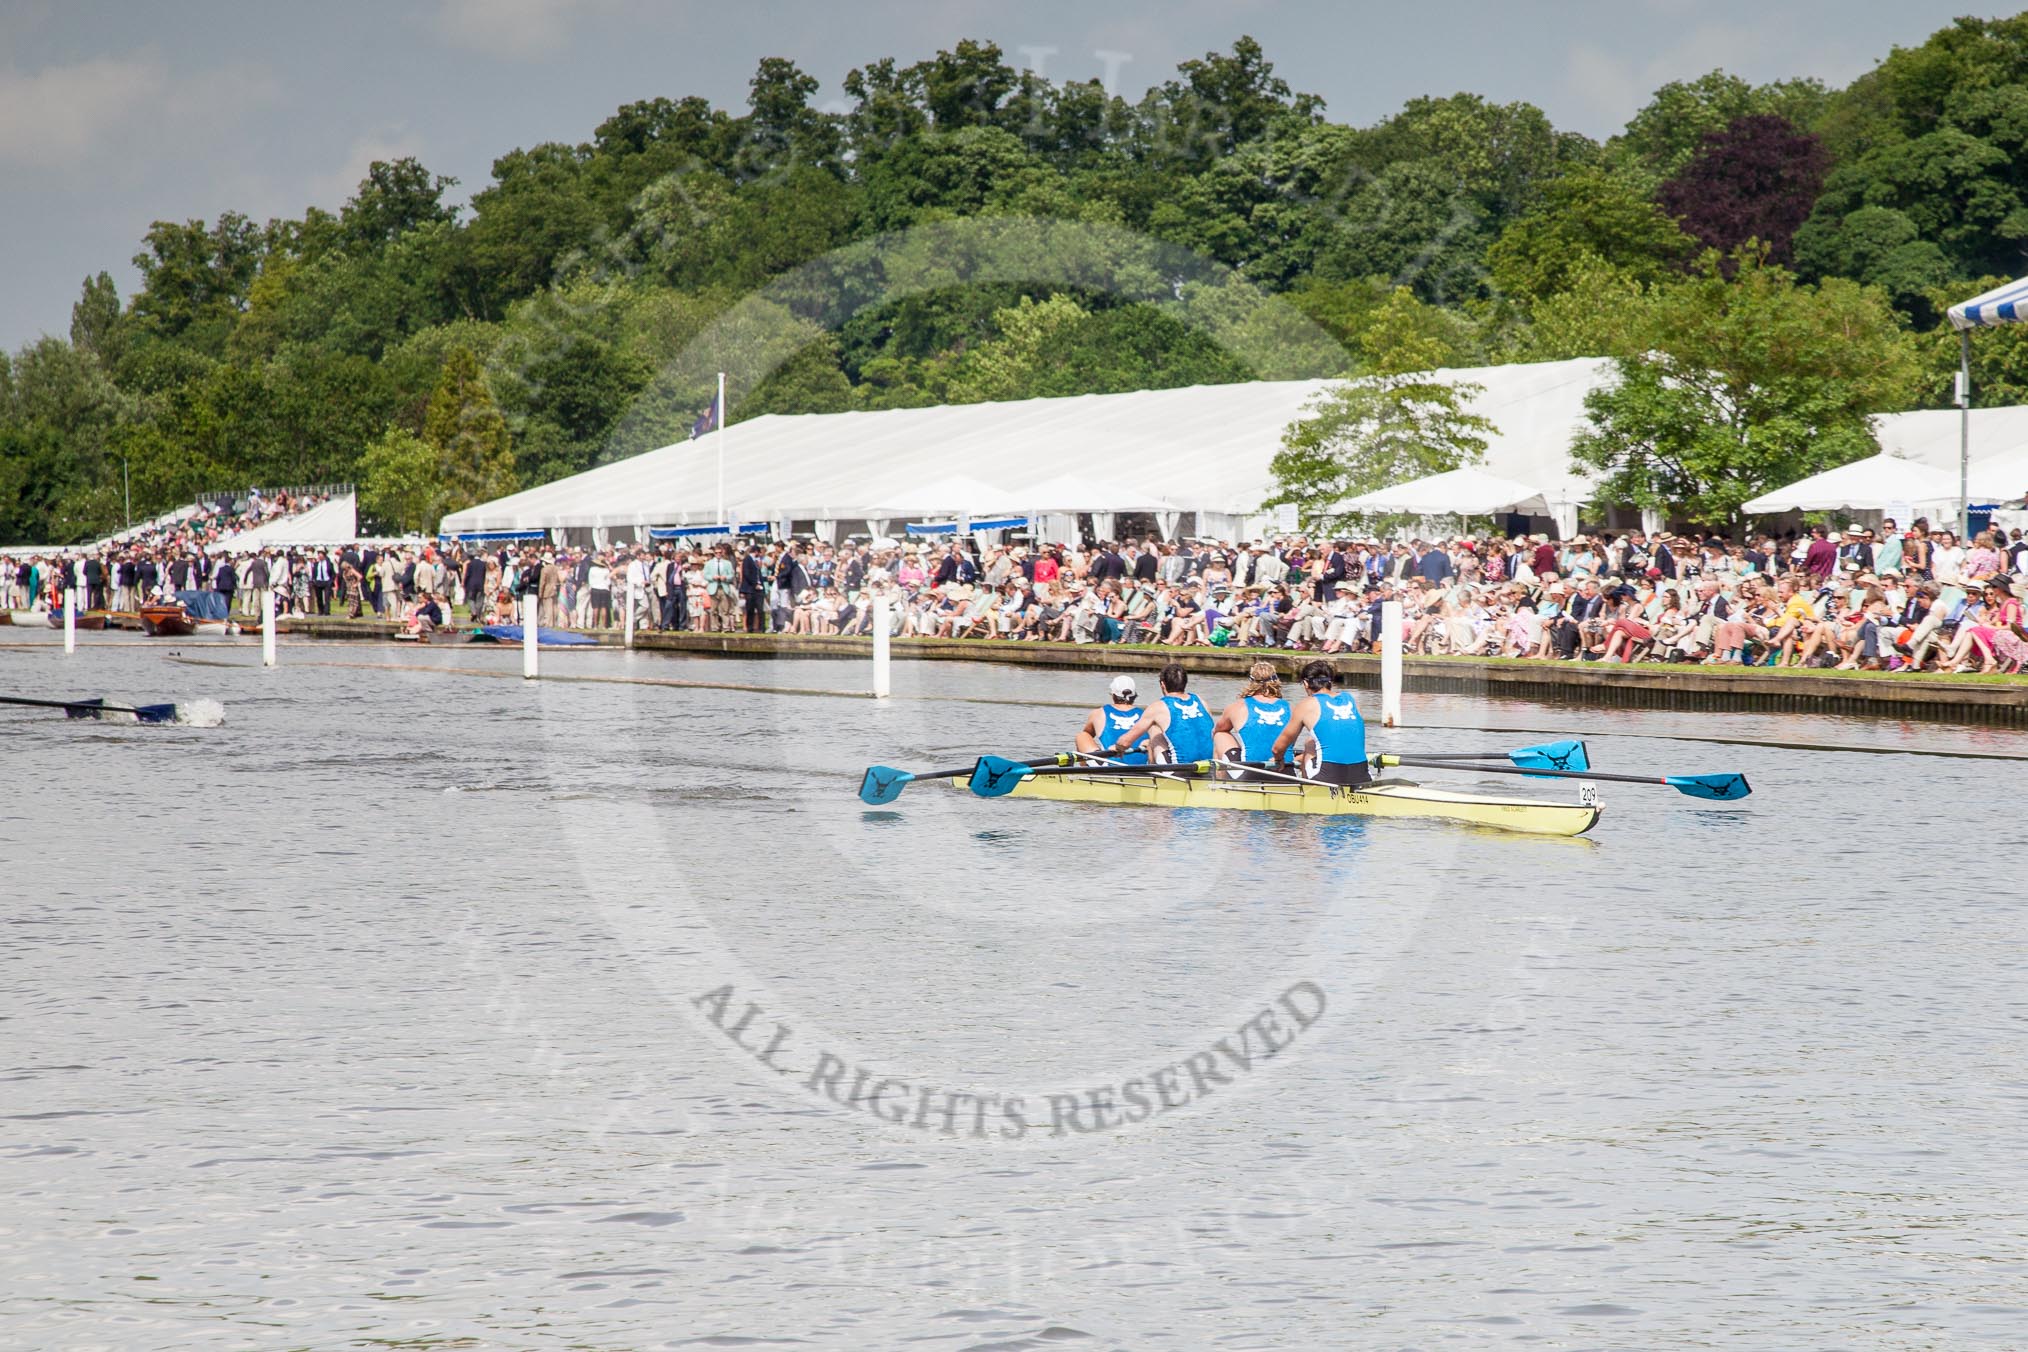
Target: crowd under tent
(1190,462)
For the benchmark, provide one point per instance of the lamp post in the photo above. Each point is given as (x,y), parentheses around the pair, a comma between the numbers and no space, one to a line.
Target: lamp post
(127,491)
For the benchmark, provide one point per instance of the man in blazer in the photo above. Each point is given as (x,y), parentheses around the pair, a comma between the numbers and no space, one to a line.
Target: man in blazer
(753,591)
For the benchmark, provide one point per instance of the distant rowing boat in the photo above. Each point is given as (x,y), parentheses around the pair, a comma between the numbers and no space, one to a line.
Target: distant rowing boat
(1382,798)
(51,619)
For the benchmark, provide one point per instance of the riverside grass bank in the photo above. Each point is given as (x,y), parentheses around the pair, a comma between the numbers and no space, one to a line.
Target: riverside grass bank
(1994,701)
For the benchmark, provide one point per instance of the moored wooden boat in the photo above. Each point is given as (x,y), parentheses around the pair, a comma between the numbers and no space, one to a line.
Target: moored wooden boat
(86,619)
(1398,798)
(167,619)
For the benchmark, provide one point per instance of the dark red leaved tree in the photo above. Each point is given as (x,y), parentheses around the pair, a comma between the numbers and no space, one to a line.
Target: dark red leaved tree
(1756,179)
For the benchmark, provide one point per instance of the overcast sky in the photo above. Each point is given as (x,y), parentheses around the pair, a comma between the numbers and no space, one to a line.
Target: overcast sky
(113,115)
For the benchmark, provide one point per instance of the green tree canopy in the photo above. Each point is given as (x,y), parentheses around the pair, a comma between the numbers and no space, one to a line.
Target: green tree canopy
(401,483)
(475,456)
(1745,383)
(1396,424)
(1593,214)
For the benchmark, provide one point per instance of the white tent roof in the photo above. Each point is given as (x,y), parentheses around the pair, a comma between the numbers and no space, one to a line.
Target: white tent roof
(1205,448)
(2000,478)
(335,521)
(959,493)
(1875,483)
(1076,492)
(1931,435)
(1458,492)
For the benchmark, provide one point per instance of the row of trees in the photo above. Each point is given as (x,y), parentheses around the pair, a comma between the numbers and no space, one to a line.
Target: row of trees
(1799,240)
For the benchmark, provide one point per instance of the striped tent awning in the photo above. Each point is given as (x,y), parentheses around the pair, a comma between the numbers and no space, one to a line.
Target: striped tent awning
(490,536)
(690,532)
(2005,304)
(971,524)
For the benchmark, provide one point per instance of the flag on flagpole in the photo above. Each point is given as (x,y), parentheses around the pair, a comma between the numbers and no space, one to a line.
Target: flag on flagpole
(706,421)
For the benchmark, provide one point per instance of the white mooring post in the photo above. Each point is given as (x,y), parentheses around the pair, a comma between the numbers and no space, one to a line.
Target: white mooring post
(69,620)
(632,601)
(881,652)
(528,636)
(1390,664)
(267,626)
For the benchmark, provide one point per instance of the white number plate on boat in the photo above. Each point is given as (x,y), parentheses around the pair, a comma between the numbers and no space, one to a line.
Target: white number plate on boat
(1587,795)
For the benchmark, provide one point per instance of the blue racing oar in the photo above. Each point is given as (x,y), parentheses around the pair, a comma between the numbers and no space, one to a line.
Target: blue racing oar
(883,783)
(995,776)
(1720,788)
(95,708)
(1566,755)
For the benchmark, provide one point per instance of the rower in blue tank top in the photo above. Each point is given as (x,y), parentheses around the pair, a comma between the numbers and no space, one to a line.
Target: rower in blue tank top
(1246,728)
(1178,725)
(1110,724)
(1331,717)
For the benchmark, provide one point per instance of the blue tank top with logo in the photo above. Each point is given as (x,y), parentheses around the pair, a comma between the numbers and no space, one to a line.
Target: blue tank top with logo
(1340,731)
(1118,723)
(1189,728)
(1265,720)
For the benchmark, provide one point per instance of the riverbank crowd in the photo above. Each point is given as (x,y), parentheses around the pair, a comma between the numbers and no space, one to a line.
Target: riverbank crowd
(1890,599)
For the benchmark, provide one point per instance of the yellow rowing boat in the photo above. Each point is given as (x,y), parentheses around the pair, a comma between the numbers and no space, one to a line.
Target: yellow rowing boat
(1382,798)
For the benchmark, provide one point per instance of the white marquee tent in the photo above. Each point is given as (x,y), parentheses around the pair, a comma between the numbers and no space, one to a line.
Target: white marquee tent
(1204,449)
(1918,467)
(1468,492)
(1877,483)
(335,521)
(2002,477)
(1930,436)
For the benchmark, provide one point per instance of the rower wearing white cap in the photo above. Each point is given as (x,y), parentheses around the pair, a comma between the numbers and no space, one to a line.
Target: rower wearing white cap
(1110,722)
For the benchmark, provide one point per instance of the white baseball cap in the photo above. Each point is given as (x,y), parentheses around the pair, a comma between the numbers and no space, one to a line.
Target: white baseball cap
(1123,687)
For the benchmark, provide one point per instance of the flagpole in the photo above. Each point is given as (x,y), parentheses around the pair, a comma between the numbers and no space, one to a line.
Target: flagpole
(718,435)
(1964,437)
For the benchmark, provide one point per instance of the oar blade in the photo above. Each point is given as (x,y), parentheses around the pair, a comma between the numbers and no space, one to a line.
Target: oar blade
(882,785)
(155,713)
(85,708)
(1565,755)
(1718,788)
(996,776)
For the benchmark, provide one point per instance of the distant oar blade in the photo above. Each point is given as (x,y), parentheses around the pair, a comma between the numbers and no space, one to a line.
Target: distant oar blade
(85,708)
(882,785)
(1719,788)
(1565,755)
(996,776)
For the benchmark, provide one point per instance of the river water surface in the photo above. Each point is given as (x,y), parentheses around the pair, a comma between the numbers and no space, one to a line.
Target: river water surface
(416,1006)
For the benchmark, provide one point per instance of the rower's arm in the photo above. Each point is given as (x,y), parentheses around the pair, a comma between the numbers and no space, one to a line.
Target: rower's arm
(1156,717)
(1297,722)
(1087,736)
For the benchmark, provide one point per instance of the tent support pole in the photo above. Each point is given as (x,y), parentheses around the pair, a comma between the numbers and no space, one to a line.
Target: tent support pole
(1964,437)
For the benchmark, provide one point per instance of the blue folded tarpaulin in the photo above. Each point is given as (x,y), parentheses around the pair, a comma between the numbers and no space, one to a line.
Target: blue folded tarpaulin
(202,605)
(545,638)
